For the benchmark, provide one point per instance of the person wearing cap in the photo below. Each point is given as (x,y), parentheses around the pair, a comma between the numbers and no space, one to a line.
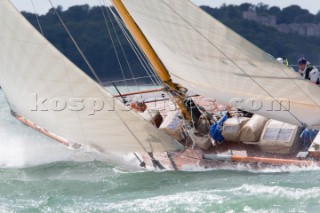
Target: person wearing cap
(308,71)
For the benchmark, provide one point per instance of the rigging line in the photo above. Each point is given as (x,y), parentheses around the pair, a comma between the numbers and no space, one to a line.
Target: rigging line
(147,67)
(125,33)
(37,17)
(132,133)
(174,155)
(294,81)
(136,78)
(77,114)
(76,44)
(171,97)
(173,93)
(123,52)
(129,39)
(240,68)
(303,91)
(141,56)
(114,47)
(125,124)
(126,36)
(93,72)
(317,65)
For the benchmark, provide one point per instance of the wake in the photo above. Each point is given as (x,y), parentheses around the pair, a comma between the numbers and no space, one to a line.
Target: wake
(21,146)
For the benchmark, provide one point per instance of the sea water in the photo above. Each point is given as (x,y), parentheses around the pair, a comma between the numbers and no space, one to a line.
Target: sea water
(40,175)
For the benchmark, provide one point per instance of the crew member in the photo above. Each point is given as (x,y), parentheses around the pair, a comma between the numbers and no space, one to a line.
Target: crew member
(308,71)
(283,61)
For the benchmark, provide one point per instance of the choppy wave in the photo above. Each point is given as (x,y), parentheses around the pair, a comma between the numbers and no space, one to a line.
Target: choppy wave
(100,187)
(291,193)
(39,174)
(21,146)
(246,198)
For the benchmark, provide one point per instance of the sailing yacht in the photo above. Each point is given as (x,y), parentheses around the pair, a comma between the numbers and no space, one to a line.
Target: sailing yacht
(189,51)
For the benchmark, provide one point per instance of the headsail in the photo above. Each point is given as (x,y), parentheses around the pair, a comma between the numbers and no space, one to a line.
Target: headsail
(43,86)
(208,57)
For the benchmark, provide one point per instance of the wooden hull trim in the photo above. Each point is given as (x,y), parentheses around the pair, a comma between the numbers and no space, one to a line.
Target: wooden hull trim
(43,131)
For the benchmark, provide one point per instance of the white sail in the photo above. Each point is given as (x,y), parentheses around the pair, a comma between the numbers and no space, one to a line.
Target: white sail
(36,77)
(203,54)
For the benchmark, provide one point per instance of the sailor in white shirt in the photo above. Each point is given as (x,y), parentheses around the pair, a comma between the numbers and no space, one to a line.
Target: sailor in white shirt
(308,71)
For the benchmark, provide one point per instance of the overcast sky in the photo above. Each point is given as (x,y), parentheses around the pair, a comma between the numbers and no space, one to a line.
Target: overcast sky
(42,6)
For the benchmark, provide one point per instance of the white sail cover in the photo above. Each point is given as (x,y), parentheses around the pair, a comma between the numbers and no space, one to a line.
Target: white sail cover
(43,86)
(206,56)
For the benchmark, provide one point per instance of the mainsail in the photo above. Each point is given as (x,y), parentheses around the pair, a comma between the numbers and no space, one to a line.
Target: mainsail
(212,60)
(43,86)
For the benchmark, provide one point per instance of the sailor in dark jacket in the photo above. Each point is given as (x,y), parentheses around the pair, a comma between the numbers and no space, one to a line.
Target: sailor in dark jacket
(308,71)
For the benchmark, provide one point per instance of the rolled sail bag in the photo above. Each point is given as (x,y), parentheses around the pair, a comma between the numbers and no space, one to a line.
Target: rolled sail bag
(232,127)
(279,137)
(252,130)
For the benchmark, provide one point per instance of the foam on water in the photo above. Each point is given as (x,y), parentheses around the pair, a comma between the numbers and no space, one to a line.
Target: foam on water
(191,202)
(21,146)
(299,194)
(240,199)
(24,148)
(253,169)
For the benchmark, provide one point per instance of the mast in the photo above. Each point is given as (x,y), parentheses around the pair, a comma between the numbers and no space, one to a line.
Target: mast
(158,66)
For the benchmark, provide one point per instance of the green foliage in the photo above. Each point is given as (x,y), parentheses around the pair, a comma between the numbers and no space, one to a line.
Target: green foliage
(276,11)
(316,19)
(289,14)
(88,27)
(291,46)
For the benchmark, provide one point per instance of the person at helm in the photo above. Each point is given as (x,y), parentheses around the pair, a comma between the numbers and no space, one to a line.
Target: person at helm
(308,71)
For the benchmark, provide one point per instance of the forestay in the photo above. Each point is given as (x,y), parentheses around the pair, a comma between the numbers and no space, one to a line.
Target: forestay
(43,86)
(206,56)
